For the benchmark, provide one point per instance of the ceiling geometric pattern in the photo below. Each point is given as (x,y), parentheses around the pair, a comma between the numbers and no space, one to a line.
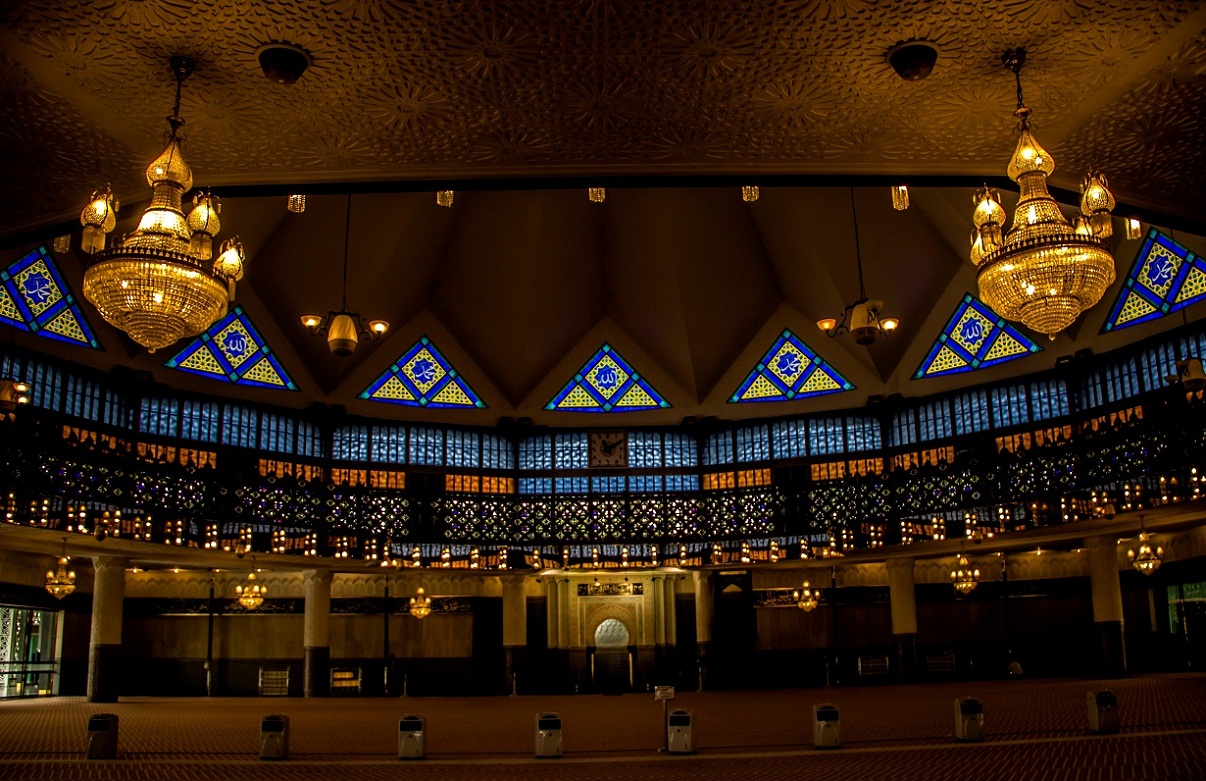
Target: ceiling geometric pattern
(669,104)
(789,370)
(34,297)
(606,383)
(233,350)
(1165,277)
(423,377)
(975,337)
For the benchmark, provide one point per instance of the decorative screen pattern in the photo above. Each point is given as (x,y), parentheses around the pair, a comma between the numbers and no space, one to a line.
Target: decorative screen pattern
(423,377)
(789,370)
(606,383)
(233,350)
(34,298)
(1165,277)
(974,338)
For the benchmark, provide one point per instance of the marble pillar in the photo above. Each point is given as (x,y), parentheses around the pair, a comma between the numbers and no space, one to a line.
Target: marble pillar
(1107,605)
(903,599)
(104,652)
(316,634)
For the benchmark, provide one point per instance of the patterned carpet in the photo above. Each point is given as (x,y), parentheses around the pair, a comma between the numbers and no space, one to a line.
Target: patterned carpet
(1033,730)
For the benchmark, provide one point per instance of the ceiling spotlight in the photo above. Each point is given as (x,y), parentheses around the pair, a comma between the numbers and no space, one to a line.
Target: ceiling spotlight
(283,63)
(913,60)
(344,328)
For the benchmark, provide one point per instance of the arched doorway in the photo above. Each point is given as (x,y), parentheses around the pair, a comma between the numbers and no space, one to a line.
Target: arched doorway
(611,664)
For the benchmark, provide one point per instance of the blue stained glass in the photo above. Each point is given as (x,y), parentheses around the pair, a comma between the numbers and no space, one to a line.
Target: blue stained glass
(423,377)
(606,383)
(233,350)
(789,370)
(975,337)
(1165,277)
(35,298)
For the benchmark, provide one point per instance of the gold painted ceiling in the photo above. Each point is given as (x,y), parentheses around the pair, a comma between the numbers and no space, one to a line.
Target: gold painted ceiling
(518,105)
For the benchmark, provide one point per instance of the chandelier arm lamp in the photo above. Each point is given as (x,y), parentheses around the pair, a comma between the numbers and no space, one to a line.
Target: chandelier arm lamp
(1045,271)
(61,581)
(344,328)
(1146,558)
(861,318)
(161,283)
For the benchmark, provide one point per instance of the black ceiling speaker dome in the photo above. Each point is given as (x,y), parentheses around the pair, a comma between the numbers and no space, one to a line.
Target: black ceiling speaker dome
(913,60)
(283,63)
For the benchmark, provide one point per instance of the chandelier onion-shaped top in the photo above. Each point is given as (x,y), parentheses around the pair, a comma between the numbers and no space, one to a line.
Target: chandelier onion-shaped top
(807,598)
(161,283)
(61,581)
(420,604)
(1046,270)
(965,577)
(250,593)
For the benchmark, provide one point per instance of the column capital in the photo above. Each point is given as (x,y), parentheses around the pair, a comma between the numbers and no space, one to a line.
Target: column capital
(317,576)
(898,565)
(107,563)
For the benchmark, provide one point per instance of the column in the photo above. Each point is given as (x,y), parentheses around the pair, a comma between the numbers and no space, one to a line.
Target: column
(671,587)
(563,627)
(515,626)
(903,601)
(1107,605)
(704,613)
(554,612)
(659,611)
(316,634)
(104,652)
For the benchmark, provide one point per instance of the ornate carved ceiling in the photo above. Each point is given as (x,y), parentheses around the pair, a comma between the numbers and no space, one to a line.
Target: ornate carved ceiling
(462,91)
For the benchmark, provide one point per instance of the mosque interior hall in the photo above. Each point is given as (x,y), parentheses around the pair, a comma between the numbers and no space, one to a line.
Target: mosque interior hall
(483,359)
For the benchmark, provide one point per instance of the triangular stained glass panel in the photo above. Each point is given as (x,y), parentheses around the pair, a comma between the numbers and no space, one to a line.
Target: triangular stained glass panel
(423,377)
(607,383)
(974,337)
(233,350)
(789,370)
(35,298)
(1165,277)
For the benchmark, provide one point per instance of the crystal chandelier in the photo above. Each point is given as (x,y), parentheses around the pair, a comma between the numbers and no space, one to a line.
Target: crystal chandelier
(1145,558)
(861,318)
(807,598)
(344,328)
(420,604)
(160,283)
(964,577)
(1045,271)
(250,593)
(61,581)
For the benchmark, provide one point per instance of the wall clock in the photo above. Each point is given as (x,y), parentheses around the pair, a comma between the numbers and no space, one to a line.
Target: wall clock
(608,449)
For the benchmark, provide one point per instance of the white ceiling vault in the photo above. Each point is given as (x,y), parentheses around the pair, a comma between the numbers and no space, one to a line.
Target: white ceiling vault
(518,105)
